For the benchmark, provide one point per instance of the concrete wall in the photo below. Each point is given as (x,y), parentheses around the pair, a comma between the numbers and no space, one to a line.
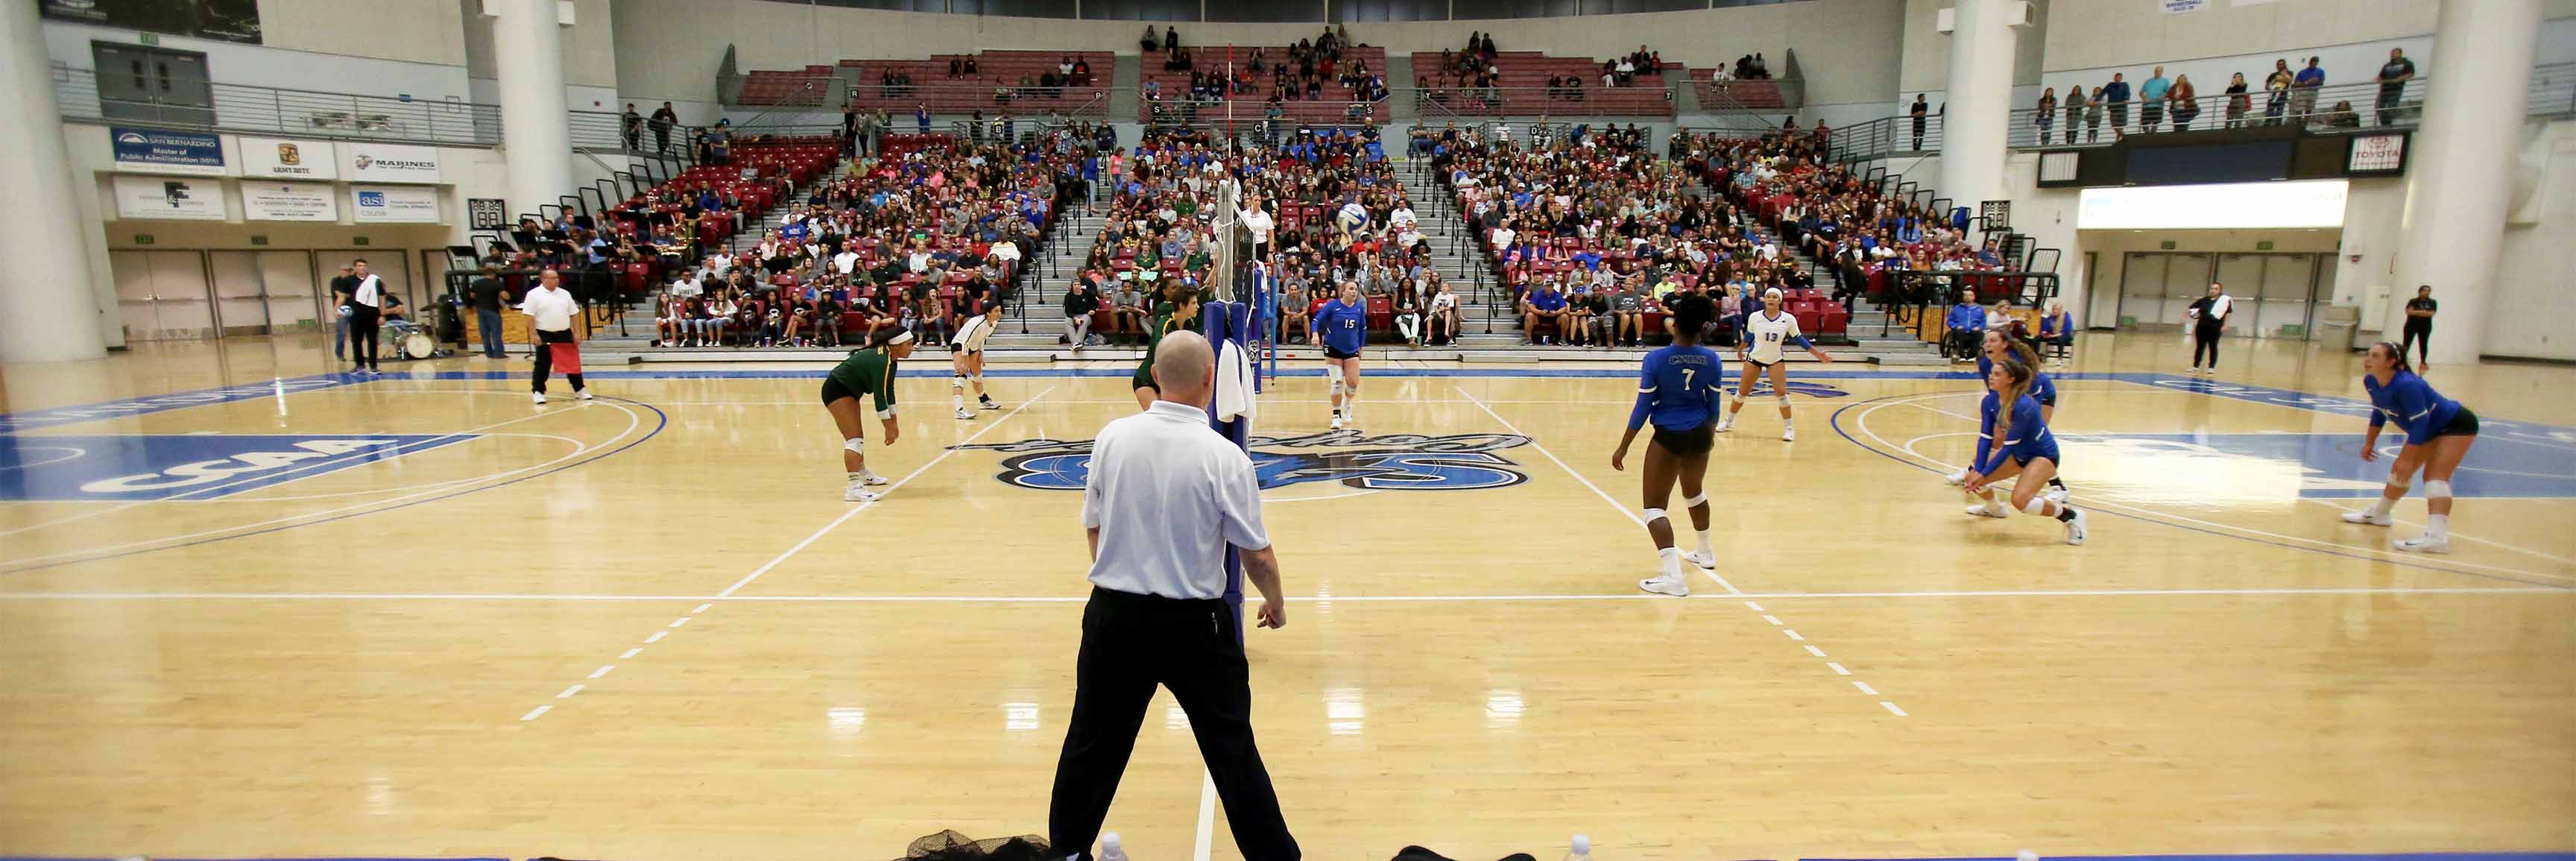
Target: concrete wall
(420,31)
(589,57)
(670,49)
(2532,313)
(2087,34)
(465,173)
(295,68)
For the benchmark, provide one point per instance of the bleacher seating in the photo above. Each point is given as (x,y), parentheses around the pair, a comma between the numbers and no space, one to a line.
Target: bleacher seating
(1758,94)
(1523,88)
(1332,107)
(931,84)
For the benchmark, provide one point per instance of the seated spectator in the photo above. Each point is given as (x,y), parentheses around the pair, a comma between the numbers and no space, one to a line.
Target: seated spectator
(1966,328)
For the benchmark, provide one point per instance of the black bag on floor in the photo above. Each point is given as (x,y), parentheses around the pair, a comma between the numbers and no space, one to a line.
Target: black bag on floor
(952,846)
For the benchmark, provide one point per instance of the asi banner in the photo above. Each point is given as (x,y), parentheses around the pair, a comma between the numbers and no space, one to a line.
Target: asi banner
(375,162)
(394,204)
(162,151)
(289,201)
(286,159)
(166,197)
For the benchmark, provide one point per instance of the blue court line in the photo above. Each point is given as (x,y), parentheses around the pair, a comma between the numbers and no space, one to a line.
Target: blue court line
(1837,421)
(662,420)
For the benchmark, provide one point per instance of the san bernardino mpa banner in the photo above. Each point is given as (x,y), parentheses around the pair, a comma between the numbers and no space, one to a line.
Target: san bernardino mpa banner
(162,151)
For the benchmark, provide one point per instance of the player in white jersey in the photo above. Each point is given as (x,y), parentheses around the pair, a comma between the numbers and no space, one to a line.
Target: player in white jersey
(1766,335)
(966,359)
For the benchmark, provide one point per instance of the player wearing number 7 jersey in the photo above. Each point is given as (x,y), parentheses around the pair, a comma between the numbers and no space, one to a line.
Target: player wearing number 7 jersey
(1678,390)
(1766,334)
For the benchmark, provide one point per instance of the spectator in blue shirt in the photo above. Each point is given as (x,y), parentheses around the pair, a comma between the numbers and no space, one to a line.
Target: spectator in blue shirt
(2151,98)
(2117,94)
(1545,306)
(2303,91)
(1966,328)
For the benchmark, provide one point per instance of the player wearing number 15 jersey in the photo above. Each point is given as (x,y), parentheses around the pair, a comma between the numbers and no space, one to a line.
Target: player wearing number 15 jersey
(1678,392)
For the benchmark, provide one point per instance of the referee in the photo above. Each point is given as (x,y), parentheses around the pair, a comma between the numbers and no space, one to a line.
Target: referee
(1165,497)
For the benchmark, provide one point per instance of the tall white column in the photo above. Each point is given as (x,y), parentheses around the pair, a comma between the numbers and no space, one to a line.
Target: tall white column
(1979,110)
(51,314)
(2459,180)
(536,136)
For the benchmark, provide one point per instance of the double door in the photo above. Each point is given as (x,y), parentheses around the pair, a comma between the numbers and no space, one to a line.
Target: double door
(165,295)
(2275,294)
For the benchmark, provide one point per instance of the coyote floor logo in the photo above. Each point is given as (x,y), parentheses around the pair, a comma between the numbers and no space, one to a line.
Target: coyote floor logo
(1345,457)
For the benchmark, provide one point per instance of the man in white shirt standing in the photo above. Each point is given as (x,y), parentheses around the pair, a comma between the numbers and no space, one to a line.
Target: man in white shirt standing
(1166,496)
(1258,222)
(365,303)
(552,308)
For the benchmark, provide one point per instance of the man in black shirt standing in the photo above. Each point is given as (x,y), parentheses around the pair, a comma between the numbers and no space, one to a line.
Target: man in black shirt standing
(342,289)
(2419,327)
(488,293)
(663,119)
(2392,85)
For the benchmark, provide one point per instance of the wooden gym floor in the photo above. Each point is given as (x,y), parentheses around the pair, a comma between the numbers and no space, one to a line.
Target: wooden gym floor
(289,613)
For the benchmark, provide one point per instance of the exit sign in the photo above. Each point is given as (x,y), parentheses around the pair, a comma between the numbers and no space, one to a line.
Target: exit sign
(358,240)
(2167,245)
(2265,245)
(150,38)
(142,239)
(259,240)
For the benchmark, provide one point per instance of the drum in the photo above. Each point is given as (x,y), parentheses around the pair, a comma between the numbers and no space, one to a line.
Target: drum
(415,344)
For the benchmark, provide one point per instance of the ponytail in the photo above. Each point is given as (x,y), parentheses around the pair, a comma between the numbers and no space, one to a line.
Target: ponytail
(2021,351)
(2012,394)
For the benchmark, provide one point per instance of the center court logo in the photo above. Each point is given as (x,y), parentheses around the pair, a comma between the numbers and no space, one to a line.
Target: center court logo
(1345,457)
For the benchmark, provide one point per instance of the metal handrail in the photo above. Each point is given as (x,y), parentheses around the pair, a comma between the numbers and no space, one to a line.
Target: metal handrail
(277,110)
(2551,92)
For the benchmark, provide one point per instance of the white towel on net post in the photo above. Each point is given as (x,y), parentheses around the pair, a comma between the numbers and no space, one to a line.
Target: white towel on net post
(1234,395)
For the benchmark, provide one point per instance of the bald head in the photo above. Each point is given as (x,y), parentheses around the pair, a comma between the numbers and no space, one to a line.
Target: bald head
(1185,368)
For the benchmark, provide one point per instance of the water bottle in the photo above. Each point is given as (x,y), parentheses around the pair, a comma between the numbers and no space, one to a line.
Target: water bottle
(1582,850)
(1109,848)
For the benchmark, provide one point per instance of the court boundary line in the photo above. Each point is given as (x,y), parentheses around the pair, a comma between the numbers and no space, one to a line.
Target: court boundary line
(539,597)
(2146,516)
(663,420)
(1731,591)
(799,547)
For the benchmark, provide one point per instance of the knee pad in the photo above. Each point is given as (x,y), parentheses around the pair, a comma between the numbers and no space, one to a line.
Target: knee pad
(976,378)
(2401,482)
(1333,372)
(1695,501)
(957,381)
(1654,514)
(855,445)
(2036,505)
(2437,489)
(1784,401)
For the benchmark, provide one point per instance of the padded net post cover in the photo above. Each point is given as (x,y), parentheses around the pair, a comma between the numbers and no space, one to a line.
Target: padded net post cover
(952,846)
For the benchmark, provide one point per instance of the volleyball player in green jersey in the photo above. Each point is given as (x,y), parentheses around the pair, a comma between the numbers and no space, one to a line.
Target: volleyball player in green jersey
(868,371)
(1169,317)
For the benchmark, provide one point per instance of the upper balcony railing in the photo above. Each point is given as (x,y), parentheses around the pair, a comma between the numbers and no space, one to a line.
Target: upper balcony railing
(2341,108)
(274,110)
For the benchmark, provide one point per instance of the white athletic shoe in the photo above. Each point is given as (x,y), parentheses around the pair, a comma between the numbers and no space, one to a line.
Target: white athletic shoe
(1724,424)
(2423,544)
(1788,433)
(860,494)
(1957,478)
(1337,422)
(2057,495)
(1677,587)
(537,397)
(1700,559)
(2364,516)
(991,405)
(1988,509)
(872,479)
(583,394)
(966,414)
(2075,529)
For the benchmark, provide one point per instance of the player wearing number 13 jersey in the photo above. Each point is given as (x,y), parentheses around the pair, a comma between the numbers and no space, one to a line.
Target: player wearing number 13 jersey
(1678,392)
(1767,334)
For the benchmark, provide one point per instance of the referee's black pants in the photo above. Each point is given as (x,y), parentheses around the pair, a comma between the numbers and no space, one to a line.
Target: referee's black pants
(1130,643)
(546,360)
(363,322)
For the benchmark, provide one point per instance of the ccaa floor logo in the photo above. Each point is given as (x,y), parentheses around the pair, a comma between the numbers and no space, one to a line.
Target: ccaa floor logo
(1345,457)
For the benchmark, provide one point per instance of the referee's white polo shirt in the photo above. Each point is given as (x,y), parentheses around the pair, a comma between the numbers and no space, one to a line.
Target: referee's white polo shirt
(1167,494)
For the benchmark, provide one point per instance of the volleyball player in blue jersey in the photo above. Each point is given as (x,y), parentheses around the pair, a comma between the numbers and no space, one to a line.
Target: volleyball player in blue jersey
(2000,347)
(2014,441)
(1343,324)
(1678,390)
(2438,434)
